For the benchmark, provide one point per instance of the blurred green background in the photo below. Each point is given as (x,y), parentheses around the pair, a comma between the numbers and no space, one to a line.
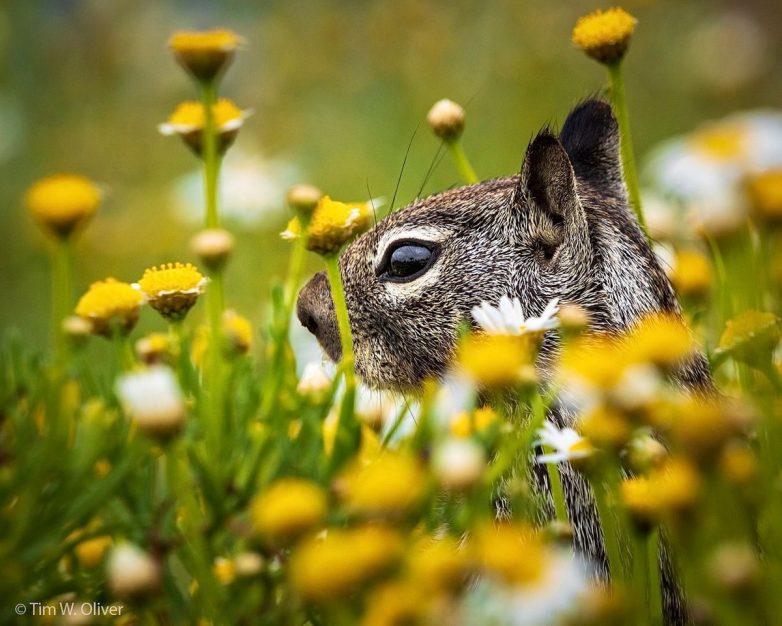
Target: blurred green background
(338,89)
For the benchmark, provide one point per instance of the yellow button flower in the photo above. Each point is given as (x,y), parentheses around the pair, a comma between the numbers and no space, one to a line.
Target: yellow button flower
(288,508)
(188,121)
(604,35)
(110,305)
(395,603)
(91,551)
(333,566)
(661,339)
(172,289)
(63,202)
(750,336)
(496,547)
(438,564)
(237,331)
(389,484)
(465,424)
(332,225)
(205,54)
(765,195)
(692,274)
(497,360)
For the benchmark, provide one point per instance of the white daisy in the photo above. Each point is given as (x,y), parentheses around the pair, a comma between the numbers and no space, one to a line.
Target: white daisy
(567,444)
(508,318)
(153,400)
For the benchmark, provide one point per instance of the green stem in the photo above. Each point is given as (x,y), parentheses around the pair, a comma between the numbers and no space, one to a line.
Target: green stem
(213,376)
(348,433)
(209,154)
(62,292)
(557,492)
(626,142)
(462,162)
(124,351)
(640,577)
(611,537)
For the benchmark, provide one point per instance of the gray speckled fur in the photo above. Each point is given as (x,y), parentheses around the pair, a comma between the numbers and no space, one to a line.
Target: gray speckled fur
(561,228)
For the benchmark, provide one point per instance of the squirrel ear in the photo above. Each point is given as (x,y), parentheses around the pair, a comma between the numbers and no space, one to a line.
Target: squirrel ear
(547,177)
(590,137)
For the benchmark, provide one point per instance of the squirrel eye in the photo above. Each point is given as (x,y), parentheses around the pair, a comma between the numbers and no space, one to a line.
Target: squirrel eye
(406,261)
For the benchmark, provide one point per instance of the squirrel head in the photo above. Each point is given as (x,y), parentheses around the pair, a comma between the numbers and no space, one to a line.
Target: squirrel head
(411,281)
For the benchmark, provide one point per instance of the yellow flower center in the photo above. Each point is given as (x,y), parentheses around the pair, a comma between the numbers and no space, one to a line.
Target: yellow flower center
(333,224)
(604,35)
(288,507)
(193,41)
(170,278)
(109,299)
(720,142)
(238,331)
(63,201)
(765,194)
(496,360)
(190,114)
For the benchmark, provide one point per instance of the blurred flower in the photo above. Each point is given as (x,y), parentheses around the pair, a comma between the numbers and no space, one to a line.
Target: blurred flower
(392,483)
(645,453)
(670,489)
(303,199)
(508,318)
(90,552)
(605,427)
(153,348)
(237,331)
(188,121)
(61,203)
(691,273)
(394,603)
(659,338)
(224,570)
(497,360)
(314,383)
(205,54)
(172,289)
(251,191)
(153,400)
(458,463)
(110,305)
(332,225)
(764,191)
(543,588)
(131,571)
(567,443)
(213,246)
(446,119)
(287,508)
(376,408)
(437,563)
(248,564)
(76,329)
(332,566)
(751,336)
(604,35)
(738,464)
(735,567)
(705,170)
(464,423)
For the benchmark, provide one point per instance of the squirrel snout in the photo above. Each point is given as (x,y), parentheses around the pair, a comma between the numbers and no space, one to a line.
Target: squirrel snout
(315,310)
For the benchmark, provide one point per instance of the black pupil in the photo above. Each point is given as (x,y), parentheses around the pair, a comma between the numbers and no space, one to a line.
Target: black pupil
(407,260)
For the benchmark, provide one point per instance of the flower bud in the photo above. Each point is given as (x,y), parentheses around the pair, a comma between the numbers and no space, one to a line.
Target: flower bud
(572,317)
(205,54)
(62,203)
(303,199)
(735,567)
(446,119)
(213,247)
(248,564)
(153,400)
(459,464)
(154,349)
(132,572)
(76,329)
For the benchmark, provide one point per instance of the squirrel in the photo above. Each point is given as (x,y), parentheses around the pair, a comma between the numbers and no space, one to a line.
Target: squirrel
(561,228)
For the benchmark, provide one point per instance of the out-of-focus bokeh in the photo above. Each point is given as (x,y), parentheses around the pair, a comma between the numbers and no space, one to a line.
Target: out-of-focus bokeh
(339,90)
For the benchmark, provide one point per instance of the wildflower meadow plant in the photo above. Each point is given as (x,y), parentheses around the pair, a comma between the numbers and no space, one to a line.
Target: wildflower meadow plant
(195,478)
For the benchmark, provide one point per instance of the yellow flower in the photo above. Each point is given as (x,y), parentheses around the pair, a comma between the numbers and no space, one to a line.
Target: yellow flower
(751,336)
(332,225)
(172,289)
(91,551)
(597,361)
(205,54)
(237,331)
(605,427)
(639,499)
(604,35)
(110,305)
(496,547)
(188,121)
(390,483)
(288,508)
(669,490)
(497,360)
(63,202)
(465,424)
(661,339)
(691,273)
(765,194)
(335,565)
(437,564)
(738,464)
(153,349)
(396,603)
(224,570)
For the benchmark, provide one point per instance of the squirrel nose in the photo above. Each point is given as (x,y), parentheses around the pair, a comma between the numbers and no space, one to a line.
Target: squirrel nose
(315,310)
